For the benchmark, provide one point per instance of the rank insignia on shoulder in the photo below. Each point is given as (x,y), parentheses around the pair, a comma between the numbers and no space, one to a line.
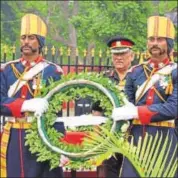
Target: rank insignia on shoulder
(4,65)
(58,68)
(135,66)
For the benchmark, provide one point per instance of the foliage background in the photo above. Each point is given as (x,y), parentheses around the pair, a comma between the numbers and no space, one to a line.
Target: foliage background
(83,24)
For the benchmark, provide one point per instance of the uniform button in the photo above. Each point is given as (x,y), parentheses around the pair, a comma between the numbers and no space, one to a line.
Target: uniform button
(23,96)
(149,97)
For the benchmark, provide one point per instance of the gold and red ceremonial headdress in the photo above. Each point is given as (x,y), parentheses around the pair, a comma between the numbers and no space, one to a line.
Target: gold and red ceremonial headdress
(33,24)
(161,27)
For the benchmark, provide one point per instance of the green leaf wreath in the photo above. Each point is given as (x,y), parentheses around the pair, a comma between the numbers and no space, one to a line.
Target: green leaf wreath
(33,139)
(149,157)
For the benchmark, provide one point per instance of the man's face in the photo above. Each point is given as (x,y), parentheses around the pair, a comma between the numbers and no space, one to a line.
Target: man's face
(122,61)
(29,45)
(157,46)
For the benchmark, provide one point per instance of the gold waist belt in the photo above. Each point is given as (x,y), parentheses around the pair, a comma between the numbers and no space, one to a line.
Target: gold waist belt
(157,124)
(23,125)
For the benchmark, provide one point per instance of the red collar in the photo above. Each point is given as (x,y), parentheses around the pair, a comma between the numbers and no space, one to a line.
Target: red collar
(27,63)
(160,64)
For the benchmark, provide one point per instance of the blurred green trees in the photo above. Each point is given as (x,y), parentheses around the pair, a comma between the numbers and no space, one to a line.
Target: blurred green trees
(83,24)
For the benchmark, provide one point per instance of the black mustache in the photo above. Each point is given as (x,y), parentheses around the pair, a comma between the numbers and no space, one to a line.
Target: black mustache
(155,47)
(26,47)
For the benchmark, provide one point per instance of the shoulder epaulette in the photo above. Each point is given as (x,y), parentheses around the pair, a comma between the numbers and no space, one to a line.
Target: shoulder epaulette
(138,65)
(133,67)
(3,66)
(58,68)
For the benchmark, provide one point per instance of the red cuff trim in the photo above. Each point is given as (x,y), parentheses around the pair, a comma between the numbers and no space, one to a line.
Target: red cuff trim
(15,107)
(145,115)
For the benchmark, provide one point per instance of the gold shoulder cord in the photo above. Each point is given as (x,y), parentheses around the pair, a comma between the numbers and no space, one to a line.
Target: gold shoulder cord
(169,88)
(156,91)
(38,82)
(148,79)
(20,77)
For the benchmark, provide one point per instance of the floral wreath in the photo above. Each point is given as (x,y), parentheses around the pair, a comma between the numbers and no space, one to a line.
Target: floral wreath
(48,144)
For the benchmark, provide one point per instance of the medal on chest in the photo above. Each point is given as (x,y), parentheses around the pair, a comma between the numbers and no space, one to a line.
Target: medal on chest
(164,81)
(37,84)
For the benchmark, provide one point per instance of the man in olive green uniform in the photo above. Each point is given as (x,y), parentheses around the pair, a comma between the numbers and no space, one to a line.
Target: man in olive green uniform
(122,56)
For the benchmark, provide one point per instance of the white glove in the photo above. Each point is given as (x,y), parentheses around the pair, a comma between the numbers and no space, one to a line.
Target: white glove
(127,112)
(63,161)
(36,105)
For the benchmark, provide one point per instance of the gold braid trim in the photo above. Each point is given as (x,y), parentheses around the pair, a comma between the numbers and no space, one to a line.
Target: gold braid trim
(159,95)
(169,88)
(4,145)
(20,77)
(156,91)
(38,82)
(146,68)
(29,89)
(148,79)
(16,72)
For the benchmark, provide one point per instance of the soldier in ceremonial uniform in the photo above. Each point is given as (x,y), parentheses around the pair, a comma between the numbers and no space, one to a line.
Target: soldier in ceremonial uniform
(21,82)
(151,88)
(122,56)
